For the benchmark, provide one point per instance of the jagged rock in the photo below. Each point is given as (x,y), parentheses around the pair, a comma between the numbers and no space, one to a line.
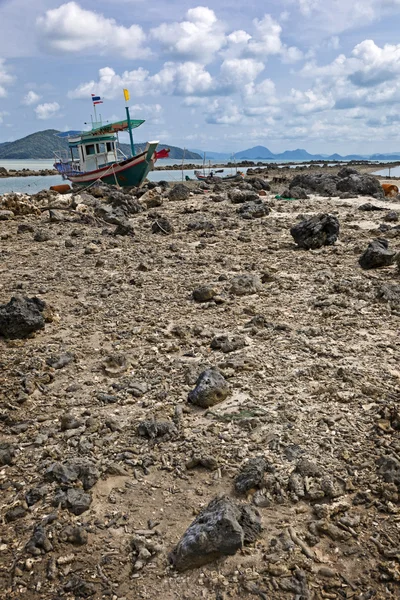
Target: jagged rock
(221,529)
(227,343)
(239,196)
(25,228)
(347,180)
(392,216)
(21,316)
(389,469)
(152,198)
(124,227)
(251,474)
(241,285)
(208,462)
(260,184)
(68,422)
(42,236)
(79,587)
(75,500)
(19,204)
(60,361)
(71,470)
(15,513)
(361,184)
(367,207)
(73,534)
(317,231)
(204,293)
(154,429)
(298,193)
(253,210)
(319,183)
(34,495)
(179,192)
(6,454)
(211,388)
(389,293)
(39,542)
(377,255)
(162,225)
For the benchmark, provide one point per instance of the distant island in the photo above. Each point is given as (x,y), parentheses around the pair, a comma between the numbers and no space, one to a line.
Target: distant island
(43,144)
(263,153)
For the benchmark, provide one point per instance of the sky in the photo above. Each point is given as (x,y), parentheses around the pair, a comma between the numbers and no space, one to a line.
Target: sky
(225,76)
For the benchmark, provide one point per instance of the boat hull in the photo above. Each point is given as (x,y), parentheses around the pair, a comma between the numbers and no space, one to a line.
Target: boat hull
(127,173)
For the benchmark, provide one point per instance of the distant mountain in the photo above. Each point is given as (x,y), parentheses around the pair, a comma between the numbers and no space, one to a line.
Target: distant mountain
(258,152)
(43,144)
(298,154)
(212,155)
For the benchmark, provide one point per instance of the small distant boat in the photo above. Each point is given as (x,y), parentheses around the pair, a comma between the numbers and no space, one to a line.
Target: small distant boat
(211,176)
(99,158)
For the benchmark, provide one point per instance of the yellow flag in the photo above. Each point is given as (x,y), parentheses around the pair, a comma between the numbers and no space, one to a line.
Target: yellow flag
(126,95)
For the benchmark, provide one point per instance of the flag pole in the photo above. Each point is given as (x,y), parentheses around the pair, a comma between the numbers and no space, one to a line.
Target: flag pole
(127,96)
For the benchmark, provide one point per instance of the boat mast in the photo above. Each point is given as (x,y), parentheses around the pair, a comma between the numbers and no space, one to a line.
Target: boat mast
(183,158)
(127,96)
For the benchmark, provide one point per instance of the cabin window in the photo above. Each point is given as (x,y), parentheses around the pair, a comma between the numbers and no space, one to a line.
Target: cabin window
(101,148)
(90,149)
(110,147)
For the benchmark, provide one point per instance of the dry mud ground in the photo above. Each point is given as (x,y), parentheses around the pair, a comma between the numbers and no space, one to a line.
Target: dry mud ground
(319,379)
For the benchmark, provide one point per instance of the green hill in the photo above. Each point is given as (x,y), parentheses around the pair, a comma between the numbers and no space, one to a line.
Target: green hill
(43,144)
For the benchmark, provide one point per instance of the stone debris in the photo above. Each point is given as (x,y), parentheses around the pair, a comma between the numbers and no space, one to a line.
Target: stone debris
(251,475)
(21,317)
(221,529)
(245,284)
(377,255)
(214,362)
(315,232)
(211,388)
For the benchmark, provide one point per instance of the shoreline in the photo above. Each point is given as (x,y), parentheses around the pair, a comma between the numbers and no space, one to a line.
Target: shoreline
(249,164)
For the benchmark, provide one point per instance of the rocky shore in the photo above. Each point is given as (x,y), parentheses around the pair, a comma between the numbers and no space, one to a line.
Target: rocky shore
(25,172)
(200,390)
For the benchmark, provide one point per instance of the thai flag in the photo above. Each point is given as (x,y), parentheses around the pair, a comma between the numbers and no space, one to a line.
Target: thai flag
(96,99)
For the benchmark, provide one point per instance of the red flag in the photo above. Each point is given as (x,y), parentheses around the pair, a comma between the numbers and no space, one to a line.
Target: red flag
(163,153)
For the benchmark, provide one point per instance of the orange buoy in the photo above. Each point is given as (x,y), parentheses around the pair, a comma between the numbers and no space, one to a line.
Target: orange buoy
(64,188)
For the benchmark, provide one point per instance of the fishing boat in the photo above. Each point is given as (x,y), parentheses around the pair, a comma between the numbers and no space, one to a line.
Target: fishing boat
(95,156)
(211,176)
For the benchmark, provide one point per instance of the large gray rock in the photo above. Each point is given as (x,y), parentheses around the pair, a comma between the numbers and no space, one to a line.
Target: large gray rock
(363,185)
(253,209)
(322,184)
(21,316)
(221,529)
(348,180)
(241,285)
(179,192)
(377,255)
(317,231)
(238,196)
(211,388)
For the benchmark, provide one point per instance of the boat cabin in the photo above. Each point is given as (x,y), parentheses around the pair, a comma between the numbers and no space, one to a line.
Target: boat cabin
(94,153)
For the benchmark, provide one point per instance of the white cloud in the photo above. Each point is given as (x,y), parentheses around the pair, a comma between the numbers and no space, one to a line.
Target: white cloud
(30,98)
(110,84)
(267,37)
(339,15)
(237,72)
(47,110)
(5,78)
(196,39)
(72,29)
